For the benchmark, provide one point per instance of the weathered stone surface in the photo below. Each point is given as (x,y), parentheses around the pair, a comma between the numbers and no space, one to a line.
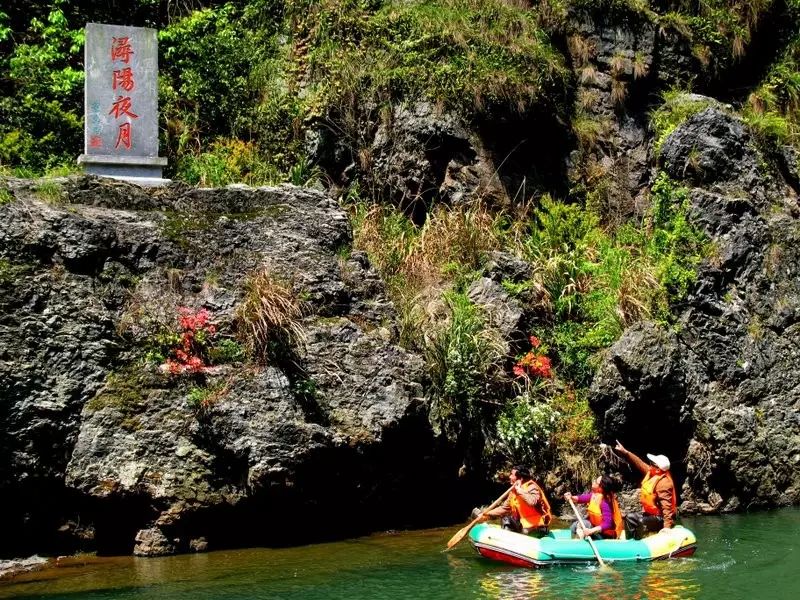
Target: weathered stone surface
(420,152)
(11,568)
(340,415)
(720,394)
(152,542)
(504,313)
(712,147)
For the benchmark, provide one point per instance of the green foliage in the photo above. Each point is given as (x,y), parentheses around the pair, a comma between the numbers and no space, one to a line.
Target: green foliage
(473,55)
(385,233)
(204,40)
(303,173)
(719,30)
(50,191)
(675,247)
(227,161)
(229,114)
(461,354)
(40,108)
(545,423)
(598,281)
(227,351)
(527,426)
(5,196)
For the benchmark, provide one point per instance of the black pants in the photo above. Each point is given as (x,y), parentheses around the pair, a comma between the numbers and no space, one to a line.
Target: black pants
(636,524)
(513,524)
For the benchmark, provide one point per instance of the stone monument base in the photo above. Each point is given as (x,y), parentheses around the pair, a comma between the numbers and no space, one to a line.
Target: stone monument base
(142,170)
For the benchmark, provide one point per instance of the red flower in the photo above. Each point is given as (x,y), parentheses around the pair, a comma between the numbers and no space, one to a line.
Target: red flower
(195,364)
(173,367)
(535,341)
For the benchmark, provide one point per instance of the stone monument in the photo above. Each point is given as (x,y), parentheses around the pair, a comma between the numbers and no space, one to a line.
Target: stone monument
(121,111)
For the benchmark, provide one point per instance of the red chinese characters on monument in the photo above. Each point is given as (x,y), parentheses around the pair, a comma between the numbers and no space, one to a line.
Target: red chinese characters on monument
(121,51)
(123,78)
(124,136)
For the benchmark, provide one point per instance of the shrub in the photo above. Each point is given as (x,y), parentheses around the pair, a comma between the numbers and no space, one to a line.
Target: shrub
(269,317)
(551,427)
(600,281)
(676,247)
(227,351)
(527,426)
(450,246)
(227,161)
(40,116)
(462,354)
(473,55)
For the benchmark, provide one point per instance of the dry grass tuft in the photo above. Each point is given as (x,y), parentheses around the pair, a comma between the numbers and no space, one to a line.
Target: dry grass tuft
(581,50)
(640,67)
(269,318)
(619,91)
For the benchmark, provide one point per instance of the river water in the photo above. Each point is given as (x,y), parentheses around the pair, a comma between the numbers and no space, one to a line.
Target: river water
(751,556)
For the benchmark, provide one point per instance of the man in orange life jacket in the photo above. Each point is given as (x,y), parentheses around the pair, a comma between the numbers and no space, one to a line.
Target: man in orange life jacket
(526,510)
(658,497)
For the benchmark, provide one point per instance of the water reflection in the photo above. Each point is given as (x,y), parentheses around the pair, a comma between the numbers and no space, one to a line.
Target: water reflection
(745,556)
(660,580)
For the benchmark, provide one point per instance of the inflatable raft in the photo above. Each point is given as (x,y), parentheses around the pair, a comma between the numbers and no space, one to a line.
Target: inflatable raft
(558,548)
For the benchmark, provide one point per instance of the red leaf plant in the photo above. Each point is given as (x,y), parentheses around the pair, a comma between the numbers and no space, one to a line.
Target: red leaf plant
(534,363)
(187,354)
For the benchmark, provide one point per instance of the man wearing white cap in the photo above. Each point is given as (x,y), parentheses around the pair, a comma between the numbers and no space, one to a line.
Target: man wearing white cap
(658,497)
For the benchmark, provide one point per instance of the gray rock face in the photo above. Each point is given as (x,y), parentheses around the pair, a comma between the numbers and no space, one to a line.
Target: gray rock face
(721,393)
(711,147)
(93,433)
(420,153)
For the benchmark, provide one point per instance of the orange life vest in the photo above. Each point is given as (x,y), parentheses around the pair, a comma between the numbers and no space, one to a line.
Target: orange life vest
(596,515)
(530,516)
(648,493)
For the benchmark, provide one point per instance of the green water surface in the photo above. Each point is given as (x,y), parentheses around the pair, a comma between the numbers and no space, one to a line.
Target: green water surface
(749,556)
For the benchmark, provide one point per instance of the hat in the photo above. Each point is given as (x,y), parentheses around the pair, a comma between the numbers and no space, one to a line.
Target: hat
(659,460)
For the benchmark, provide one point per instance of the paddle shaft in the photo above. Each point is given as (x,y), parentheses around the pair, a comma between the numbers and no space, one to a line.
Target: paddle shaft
(588,538)
(461,533)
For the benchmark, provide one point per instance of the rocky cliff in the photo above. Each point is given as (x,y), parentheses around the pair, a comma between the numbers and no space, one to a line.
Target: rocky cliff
(720,389)
(184,369)
(102,449)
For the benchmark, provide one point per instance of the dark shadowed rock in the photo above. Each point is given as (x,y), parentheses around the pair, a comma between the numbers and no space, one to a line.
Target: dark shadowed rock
(712,147)
(420,154)
(640,390)
(92,433)
(720,391)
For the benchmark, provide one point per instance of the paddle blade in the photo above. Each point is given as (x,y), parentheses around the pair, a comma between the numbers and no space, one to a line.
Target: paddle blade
(459,535)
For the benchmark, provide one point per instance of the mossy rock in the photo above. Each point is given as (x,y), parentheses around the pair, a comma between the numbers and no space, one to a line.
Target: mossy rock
(123,391)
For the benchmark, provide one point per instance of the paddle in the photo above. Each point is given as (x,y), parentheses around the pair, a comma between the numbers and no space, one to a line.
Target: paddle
(588,538)
(461,533)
